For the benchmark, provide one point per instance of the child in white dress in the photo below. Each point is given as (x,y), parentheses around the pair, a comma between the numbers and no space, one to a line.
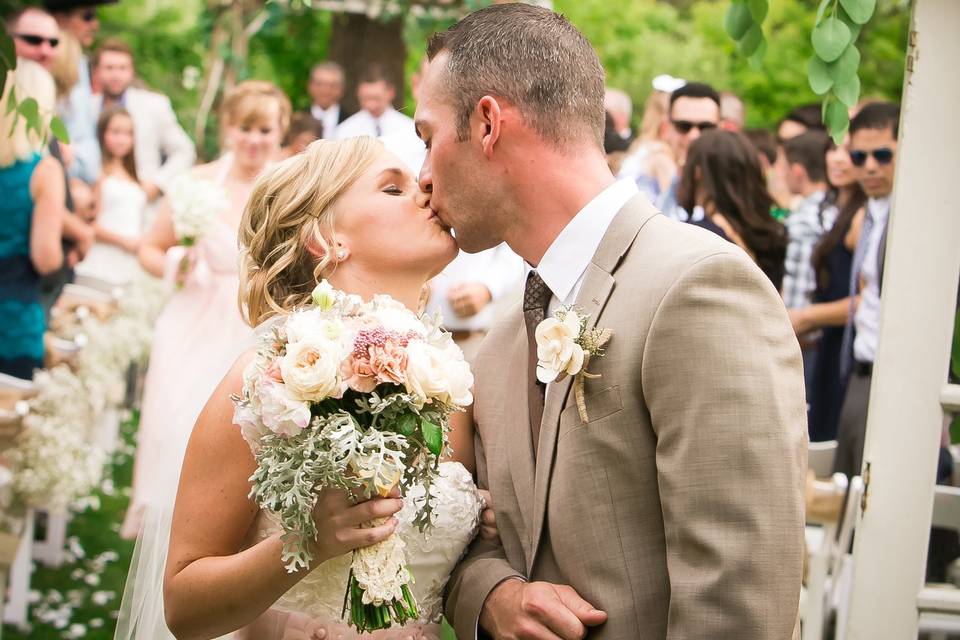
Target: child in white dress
(120,204)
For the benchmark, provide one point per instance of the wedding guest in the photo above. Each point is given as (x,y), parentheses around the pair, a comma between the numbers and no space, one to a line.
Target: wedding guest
(162,148)
(873,152)
(620,107)
(799,121)
(377,117)
(649,161)
(767,150)
(121,204)
(84,202)
(733,113)
(831,261)
(723,188)
(78,19)
(694,109)
(201,323)
(304,129)
(32,211)
(36,37)
(325,88)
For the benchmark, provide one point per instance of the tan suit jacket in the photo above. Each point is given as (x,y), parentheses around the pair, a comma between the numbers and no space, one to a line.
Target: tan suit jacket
(678,507)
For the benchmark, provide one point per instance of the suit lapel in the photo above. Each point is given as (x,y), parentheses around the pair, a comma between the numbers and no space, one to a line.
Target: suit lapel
(519,438)
(598,285)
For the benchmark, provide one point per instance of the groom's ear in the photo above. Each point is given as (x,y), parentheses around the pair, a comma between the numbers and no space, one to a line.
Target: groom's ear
(489,123)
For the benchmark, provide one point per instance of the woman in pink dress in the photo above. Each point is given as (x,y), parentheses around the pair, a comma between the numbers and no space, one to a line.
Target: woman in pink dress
(197,335)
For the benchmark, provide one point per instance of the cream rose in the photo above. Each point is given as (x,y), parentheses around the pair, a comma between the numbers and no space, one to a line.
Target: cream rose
(557,349)
(436,374)
(311,370)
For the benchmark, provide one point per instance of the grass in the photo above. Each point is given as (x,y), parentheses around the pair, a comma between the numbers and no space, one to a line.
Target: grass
(67,604)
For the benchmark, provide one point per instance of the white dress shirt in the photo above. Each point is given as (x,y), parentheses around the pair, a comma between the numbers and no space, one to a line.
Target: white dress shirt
(330,117)
(565,263)
(363,123)
(867,318)
(499,269)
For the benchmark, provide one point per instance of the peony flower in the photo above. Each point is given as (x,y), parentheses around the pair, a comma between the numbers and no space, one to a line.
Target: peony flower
(311,370)
(557,349)
(437,374)
(280,412)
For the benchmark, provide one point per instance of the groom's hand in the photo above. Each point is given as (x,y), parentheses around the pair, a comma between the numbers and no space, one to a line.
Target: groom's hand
(517,610)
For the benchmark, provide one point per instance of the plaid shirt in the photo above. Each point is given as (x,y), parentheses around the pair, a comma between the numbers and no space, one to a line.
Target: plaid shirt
(804,229)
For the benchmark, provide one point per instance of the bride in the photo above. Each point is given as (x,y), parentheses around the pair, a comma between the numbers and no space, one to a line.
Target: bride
(349,212)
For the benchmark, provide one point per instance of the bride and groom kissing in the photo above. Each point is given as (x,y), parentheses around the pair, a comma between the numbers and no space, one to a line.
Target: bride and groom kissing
(660,496)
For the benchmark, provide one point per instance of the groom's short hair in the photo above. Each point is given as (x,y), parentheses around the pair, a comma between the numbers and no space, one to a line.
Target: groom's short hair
(531,57)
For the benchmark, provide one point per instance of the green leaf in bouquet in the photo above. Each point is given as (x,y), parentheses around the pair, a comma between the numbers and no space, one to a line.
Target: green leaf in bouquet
(432,436)
(830,38)
(737,20)
(407,424)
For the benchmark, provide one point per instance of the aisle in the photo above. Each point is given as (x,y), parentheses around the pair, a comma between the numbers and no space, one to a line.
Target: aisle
(82,597)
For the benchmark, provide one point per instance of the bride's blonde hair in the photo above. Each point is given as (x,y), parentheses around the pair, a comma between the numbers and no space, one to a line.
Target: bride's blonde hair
(287,221)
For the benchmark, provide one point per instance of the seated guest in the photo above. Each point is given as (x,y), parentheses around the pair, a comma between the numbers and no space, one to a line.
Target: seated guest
(325,89)
(723,188)
(163,150)
(304,129)
(377,117)
(32,210)
(832,258)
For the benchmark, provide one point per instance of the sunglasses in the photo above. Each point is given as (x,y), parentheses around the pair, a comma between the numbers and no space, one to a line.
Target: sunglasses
(89,15)
(36,41)
(685,126)
(882,156)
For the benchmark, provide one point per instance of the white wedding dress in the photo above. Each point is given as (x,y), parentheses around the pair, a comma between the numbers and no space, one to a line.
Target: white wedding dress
(316,602)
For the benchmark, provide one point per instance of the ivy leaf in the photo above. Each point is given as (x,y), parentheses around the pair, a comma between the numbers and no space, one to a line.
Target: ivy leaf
(848,91)
(756,58)
(758,9)
(751,40)
(836,118)
(830,38)
(859,11)
(818,73)
(737,20)
(845,67)
(432,436)
(407,424)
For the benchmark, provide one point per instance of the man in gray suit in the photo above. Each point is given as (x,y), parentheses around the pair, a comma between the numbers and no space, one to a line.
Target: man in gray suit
(670,504)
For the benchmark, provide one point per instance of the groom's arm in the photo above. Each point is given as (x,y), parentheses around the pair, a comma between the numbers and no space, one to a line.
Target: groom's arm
(722,378)
(483,567)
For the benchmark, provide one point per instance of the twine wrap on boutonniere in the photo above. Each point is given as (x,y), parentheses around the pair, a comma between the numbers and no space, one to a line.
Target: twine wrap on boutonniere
(564,347)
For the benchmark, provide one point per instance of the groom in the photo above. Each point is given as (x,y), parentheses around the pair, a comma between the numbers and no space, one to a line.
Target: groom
(673,508)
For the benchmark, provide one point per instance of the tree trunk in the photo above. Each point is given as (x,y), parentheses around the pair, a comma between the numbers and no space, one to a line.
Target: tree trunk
(357,41)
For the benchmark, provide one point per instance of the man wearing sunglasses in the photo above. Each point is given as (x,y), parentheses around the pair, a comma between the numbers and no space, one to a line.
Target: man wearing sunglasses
(35,35)
(79,19)
(873,150)
(694,108)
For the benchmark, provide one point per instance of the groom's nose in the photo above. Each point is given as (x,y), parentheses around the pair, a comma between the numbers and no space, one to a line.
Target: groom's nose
(425,179)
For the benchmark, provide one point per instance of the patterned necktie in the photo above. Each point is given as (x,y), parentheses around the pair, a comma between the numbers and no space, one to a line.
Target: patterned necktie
(536,297)
(859,254)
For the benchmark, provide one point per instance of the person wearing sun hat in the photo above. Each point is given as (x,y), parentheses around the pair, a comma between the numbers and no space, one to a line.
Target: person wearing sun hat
(79,19)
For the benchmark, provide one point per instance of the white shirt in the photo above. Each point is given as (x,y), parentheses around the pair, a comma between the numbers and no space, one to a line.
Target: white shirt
(499,269)
(867,318)
(565,263)
(330,118)
(363,123)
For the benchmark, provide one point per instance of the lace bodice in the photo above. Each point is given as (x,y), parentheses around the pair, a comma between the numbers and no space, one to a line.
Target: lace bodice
(431,557)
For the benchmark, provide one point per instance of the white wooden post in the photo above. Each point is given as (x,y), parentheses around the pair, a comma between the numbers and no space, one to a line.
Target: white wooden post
(916,323)
(15,609)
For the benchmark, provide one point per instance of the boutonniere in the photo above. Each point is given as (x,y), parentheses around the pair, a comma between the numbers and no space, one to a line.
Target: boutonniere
(564,348)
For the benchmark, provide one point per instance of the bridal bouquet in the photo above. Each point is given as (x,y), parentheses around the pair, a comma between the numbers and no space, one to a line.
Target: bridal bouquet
(195,204)
(355,396)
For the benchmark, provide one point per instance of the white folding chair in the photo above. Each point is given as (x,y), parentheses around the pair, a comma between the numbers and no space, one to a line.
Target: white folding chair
(821,540)
(841,570)
(820,456)
(937,624)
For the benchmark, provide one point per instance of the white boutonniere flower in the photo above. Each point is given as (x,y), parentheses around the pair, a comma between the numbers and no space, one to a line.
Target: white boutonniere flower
(564,348)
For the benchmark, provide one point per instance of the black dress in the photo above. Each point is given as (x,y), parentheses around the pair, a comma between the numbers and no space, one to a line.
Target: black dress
(827,390)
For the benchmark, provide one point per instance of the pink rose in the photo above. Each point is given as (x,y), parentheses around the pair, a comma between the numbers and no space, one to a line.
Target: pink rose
(358,374)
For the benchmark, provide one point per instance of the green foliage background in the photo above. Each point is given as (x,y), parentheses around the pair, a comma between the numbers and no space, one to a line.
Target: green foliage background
(636,40)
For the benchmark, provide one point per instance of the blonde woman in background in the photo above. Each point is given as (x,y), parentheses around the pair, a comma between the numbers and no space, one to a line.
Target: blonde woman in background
(197,334)
(649,161)
(32,210)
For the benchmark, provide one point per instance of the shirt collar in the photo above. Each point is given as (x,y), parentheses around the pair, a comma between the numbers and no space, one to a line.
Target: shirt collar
(571,251)
(878,208)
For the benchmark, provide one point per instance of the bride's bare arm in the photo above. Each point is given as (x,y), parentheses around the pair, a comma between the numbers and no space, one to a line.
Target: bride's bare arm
(212,585)
(461,439)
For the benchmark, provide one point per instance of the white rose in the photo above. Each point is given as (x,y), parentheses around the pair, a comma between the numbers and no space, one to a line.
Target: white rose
(437,374)
(557,349)
(460,382)
(311,370)
(281,413)
(251,428)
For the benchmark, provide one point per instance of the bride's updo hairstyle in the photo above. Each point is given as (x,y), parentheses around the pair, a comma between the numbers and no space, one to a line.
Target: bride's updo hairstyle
(286,233)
